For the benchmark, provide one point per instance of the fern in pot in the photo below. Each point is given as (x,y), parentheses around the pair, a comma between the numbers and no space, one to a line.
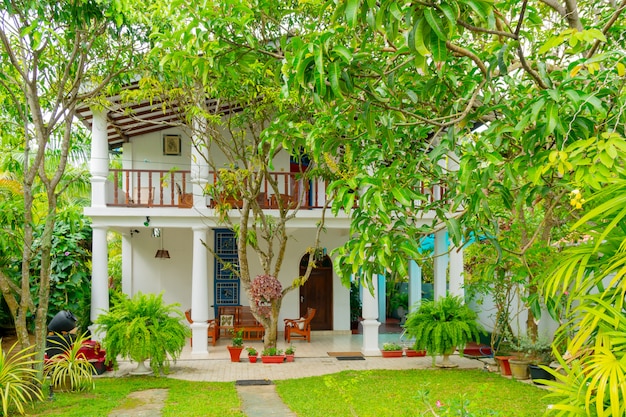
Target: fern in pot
(441,326)
(142,328)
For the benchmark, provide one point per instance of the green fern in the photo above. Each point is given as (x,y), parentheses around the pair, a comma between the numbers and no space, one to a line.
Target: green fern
(144,328)
(443,325)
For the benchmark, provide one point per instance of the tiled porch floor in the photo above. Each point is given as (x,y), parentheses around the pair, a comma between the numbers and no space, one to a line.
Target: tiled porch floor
(311,360)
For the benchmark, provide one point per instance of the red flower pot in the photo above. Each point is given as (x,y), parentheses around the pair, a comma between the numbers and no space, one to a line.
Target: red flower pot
(252,359)
(410,353)
(273,359)
(235,353)
(505,367)
(392,353)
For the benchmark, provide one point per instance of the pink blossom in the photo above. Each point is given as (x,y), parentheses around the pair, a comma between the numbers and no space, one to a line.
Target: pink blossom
(438,403)
(265,289)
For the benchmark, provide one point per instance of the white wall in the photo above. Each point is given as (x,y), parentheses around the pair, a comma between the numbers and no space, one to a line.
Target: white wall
(173,276)
(486,310)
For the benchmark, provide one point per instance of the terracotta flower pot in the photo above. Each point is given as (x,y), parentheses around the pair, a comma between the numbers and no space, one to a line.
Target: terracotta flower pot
(289,358)
(519,368)
(410,353)
(252,359)
(235,352)
(503,362)
(392,353)
(273,359)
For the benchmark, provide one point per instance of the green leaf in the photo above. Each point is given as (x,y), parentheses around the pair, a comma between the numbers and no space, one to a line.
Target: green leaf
(435,23)
(352,10)
(451,16)
(343,52)
(333,75)
(416,37)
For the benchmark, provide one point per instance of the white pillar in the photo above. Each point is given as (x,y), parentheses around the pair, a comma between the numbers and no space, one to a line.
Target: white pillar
(440,262)
(99,158)
(456,272)
(199,292)
(415,284)
(199,166)
(382,299)
(99,277)
(370,323)
(127,262)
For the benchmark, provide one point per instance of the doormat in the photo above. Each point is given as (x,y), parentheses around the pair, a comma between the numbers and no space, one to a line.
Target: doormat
(333,354)
(350,358)
(247,382)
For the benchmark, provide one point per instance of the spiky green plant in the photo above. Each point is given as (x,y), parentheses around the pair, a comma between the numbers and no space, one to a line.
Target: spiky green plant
(143,327)
(442,325)
(590,282)
(18,379)
(70,370)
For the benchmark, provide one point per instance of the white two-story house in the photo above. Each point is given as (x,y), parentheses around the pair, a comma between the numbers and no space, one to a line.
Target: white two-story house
(156,202)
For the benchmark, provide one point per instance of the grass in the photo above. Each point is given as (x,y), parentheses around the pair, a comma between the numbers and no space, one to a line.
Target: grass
(395,393)
(372,393)
(185,398)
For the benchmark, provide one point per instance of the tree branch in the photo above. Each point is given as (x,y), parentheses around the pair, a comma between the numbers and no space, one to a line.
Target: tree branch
(606,28)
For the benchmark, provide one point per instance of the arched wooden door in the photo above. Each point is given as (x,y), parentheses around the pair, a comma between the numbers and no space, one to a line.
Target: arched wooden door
(317,293)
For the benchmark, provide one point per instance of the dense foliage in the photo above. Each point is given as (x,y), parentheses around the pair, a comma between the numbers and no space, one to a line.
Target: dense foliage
(443,325)
(143,327)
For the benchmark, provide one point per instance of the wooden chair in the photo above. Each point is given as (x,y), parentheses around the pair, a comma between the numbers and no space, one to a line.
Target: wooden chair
(300,328)
(212,331)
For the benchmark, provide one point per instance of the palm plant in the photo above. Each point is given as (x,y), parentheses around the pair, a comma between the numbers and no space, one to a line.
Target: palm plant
(18,379)
(70,370)
(141,328)
(441,326)
(590,283)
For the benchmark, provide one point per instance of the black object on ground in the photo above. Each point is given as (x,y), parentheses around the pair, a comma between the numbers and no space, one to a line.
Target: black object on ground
(247,382)
(350,358)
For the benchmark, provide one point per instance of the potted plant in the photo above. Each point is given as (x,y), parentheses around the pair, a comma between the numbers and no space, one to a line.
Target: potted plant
(414,353)
(70,370)
(252,354)
(540,357)
(392,350)
(272,355)
(236,345)
(142,328)
(290,353)
(503,355)
(442,326)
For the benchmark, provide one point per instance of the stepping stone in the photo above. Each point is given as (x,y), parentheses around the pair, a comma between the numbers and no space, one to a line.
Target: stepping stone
(146,403)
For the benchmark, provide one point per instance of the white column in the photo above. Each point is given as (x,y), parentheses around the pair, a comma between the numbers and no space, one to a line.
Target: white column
(382,300)
(199,166)
(127,262)
(99,277)
(99,158)
(199,292)
(370,323)
(415,284)
(456,272)
(440,264)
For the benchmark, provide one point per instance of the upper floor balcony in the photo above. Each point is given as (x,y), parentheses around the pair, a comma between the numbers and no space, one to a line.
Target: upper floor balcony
(161,188)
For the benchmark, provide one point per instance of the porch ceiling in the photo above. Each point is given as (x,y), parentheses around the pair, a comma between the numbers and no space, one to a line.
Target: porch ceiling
(126,120)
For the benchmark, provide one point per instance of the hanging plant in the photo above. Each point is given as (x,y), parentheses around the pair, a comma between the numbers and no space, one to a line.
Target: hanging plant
(265,289)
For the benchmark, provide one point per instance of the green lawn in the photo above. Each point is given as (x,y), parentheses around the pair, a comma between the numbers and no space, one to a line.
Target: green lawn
(350,393)
(395,393)
(185,398)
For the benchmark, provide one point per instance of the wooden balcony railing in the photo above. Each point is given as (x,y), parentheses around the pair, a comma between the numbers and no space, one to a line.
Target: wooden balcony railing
(155,188)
